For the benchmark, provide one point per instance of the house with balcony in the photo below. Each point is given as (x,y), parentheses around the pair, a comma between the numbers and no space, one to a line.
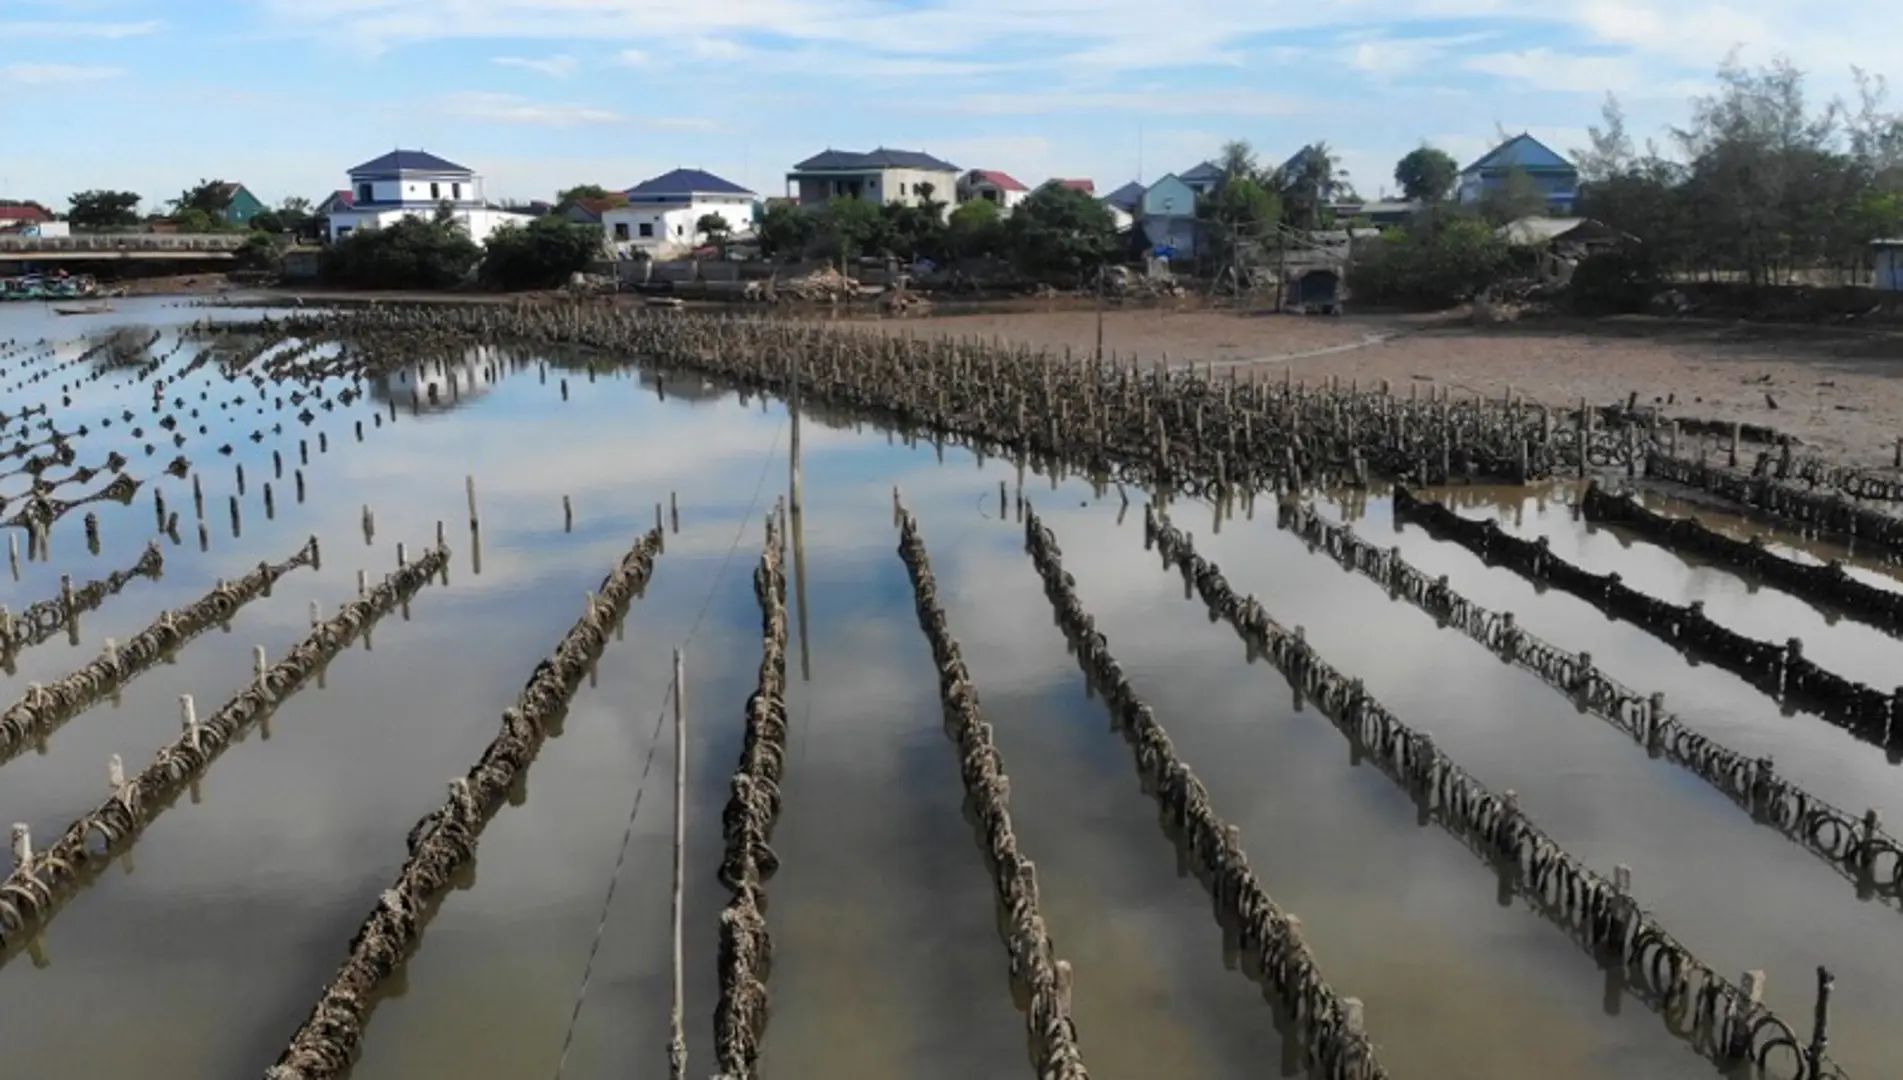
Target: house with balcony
(1551,175)
(883,177)
(662,215)
(991,186)
(414,183)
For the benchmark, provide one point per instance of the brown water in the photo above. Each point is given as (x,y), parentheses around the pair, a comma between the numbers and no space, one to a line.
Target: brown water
(198,955)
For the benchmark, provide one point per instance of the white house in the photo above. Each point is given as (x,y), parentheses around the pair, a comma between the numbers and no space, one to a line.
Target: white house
(411,183)
(880,177)
(663,215)
(992,186)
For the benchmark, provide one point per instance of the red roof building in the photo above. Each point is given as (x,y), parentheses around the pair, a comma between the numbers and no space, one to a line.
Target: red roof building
(1088,187)
(992,186)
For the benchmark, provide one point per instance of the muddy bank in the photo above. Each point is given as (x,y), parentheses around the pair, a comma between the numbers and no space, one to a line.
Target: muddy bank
(1836,390)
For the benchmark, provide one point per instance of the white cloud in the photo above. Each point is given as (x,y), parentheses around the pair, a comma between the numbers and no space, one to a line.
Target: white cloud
(110,31)
(1158,102)
(56,74)
(510,109)
(635,58)
(715,48)
(1545,69)
(1382,56)
(555,67)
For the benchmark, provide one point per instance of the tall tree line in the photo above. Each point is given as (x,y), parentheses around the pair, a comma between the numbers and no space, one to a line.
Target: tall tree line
(1758,186)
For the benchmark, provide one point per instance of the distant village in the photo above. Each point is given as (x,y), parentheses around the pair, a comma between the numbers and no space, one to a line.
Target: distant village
(661,217)
(1514,210)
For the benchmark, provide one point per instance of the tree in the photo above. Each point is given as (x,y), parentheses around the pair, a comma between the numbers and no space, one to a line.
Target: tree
(714,228)
(1426,174)
(1061,235)
(1611,152)
(1239,215)
(1237,160)
(1518,196)
(540,255)
(410,253)
(570,197)
(260,251)
(209,198)
(98,209)
(851,227)
(1315,179)
(292,216)
(976,229)
(194,220)
(1442,258)
(784,231)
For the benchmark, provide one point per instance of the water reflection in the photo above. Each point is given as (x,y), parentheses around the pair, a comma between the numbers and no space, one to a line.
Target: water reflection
(887,958)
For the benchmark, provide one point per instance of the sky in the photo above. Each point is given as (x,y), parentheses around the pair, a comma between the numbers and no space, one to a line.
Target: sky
(536,95)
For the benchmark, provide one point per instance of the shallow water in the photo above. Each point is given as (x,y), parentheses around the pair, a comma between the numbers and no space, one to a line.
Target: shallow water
(200,953)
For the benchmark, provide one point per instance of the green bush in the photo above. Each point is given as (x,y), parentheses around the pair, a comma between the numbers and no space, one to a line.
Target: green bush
(258,252)
(411,253)
(541,255)
(1613,283)
(1436,263)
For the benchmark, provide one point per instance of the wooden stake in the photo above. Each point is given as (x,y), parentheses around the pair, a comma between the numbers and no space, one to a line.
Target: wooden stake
(677,1042)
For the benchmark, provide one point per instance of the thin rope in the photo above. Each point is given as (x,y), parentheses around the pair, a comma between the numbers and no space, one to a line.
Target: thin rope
(654,740)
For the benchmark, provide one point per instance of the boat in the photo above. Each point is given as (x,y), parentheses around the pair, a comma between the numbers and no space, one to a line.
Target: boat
(81,309)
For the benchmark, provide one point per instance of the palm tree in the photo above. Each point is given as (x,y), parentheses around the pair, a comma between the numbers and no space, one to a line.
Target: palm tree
(1236,159)
(1311,179)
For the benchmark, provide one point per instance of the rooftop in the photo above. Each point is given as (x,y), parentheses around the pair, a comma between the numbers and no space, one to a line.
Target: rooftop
(24,213)
(686,182)
(1127,197)
(1522,151)
(1088,187)
(408,161)
(1200,174)
(880,158)
(1000,180)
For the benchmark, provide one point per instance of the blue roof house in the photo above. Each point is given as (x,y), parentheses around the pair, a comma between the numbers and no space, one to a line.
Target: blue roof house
(664,214)
(415,183)
(882,176)
(1551,174)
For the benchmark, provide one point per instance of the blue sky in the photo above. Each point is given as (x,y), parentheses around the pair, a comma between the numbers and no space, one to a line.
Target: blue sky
(285,95)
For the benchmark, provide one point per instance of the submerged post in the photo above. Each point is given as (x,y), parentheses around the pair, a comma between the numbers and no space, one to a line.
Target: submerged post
(677,1040)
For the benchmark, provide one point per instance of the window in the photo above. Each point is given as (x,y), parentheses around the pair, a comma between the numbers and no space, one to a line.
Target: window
(456,192)
(647,228)
(435,191)
(343,230)
(621,230)
(679,231)
(363,193)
